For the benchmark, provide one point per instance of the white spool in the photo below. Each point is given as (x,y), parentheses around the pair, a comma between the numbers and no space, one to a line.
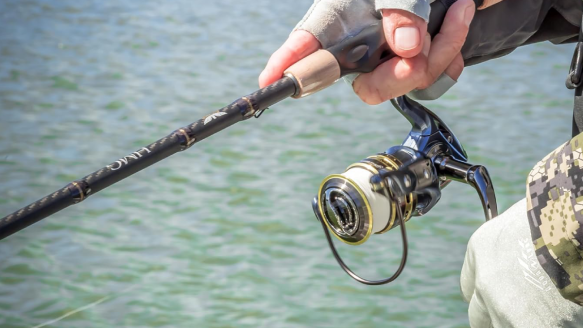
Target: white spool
(379,204)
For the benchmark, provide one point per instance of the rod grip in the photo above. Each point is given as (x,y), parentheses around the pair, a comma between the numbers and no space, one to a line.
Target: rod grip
(314,73)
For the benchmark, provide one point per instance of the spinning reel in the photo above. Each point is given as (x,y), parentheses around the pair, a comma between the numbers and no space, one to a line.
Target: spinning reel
(385,190)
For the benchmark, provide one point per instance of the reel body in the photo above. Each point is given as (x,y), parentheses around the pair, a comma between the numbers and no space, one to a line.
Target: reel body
(385,190)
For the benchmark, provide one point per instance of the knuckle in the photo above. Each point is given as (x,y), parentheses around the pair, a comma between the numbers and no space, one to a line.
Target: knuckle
(409,70)
(457,66)
(426,83)
(379,97)
(452,42)
(369,95)
(429,79)
(457,43)
(422,86)
(291,51)
(418,70)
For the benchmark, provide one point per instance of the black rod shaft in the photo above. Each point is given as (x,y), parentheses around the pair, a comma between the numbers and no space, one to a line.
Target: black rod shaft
(179,140)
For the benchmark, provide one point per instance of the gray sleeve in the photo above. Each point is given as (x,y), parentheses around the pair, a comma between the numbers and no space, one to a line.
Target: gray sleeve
(420,8)
(434,91)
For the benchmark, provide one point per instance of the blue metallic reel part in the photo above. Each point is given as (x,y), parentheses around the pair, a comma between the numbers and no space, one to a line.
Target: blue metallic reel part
(385,190)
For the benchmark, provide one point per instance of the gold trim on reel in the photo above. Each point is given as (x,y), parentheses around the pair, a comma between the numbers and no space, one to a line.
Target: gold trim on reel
(361,211)
(348,205)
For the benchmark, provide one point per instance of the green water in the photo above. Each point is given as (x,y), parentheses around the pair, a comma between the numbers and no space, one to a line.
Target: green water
(223,235)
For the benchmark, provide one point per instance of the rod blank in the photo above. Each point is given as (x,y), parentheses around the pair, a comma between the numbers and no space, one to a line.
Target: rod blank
(179,140)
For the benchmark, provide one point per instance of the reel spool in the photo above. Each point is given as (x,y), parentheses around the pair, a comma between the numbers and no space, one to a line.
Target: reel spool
(384,191)
(352,210)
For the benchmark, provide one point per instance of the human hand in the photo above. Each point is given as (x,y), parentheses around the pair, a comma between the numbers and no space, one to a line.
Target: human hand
(419,60)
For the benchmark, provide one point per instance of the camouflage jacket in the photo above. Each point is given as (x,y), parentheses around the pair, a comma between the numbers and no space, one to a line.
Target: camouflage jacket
(555,215)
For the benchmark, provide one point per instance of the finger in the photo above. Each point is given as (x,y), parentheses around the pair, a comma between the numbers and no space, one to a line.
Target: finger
(299,44)
(447,44)
(453,71)
(455,68)
(404,32)
(391,79)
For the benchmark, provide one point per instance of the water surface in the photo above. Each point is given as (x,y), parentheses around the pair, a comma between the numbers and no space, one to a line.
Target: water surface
(223,235)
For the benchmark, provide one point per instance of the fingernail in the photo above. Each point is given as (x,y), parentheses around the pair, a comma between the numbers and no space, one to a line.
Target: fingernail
(407,37)
(468,15)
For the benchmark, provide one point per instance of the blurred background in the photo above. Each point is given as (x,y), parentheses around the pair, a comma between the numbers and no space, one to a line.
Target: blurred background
(223,235)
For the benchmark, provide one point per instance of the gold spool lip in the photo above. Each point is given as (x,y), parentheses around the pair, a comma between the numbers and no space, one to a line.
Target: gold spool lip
(361,193)
(389,162)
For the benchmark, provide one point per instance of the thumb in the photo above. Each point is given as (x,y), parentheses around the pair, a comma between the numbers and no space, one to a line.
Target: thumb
(404,31)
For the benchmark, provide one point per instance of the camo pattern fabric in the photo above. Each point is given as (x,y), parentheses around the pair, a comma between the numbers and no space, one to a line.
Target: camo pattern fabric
(555,215)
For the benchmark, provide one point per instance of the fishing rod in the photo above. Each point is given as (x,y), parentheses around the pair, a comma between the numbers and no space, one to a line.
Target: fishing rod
(392,186)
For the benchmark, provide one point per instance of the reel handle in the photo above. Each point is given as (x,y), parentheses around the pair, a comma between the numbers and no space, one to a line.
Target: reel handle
(476,176)
(360,53)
